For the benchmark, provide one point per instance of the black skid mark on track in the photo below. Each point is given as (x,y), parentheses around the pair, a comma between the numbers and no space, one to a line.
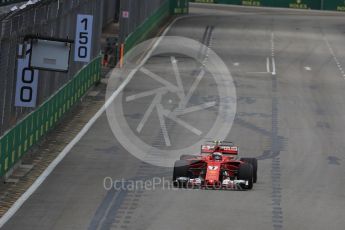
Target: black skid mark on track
(117,208)
(276,148)
(253,127)
(119,205)
(332,160)
(276,195)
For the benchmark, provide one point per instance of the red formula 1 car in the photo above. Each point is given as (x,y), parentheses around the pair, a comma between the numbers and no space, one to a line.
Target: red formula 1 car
(217,167)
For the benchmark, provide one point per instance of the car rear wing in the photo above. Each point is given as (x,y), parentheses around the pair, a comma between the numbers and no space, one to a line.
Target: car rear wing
(225,149)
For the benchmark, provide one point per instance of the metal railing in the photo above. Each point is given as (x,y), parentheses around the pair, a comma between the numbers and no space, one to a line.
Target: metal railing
(16,142)
(51,18)
(21,128)
(58,93)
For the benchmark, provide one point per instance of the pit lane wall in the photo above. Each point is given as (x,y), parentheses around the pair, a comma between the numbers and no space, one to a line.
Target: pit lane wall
(332,5)
(17,141)
(21,127)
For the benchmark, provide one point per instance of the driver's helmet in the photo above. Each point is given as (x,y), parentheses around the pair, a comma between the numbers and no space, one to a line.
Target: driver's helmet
(217,156)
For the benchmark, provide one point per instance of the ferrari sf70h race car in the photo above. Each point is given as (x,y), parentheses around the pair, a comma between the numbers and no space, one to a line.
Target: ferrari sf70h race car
(217,167)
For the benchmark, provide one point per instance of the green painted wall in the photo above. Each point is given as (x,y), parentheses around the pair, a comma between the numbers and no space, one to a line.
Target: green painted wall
(17,141)
(334,5)
(297,4)
(235,2)
(338,5)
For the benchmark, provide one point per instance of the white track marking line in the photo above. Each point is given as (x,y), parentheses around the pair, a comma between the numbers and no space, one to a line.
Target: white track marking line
(15,207)
(274,72)
(273,66)
(334,57)
(107,211)
(268,68)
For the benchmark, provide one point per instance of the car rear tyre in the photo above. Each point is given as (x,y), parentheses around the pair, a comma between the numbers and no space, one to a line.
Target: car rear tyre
(245,172)
(254,163)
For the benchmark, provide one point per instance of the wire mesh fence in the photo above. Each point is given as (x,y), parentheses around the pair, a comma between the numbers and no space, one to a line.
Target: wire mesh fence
(57,18)
(53,18)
